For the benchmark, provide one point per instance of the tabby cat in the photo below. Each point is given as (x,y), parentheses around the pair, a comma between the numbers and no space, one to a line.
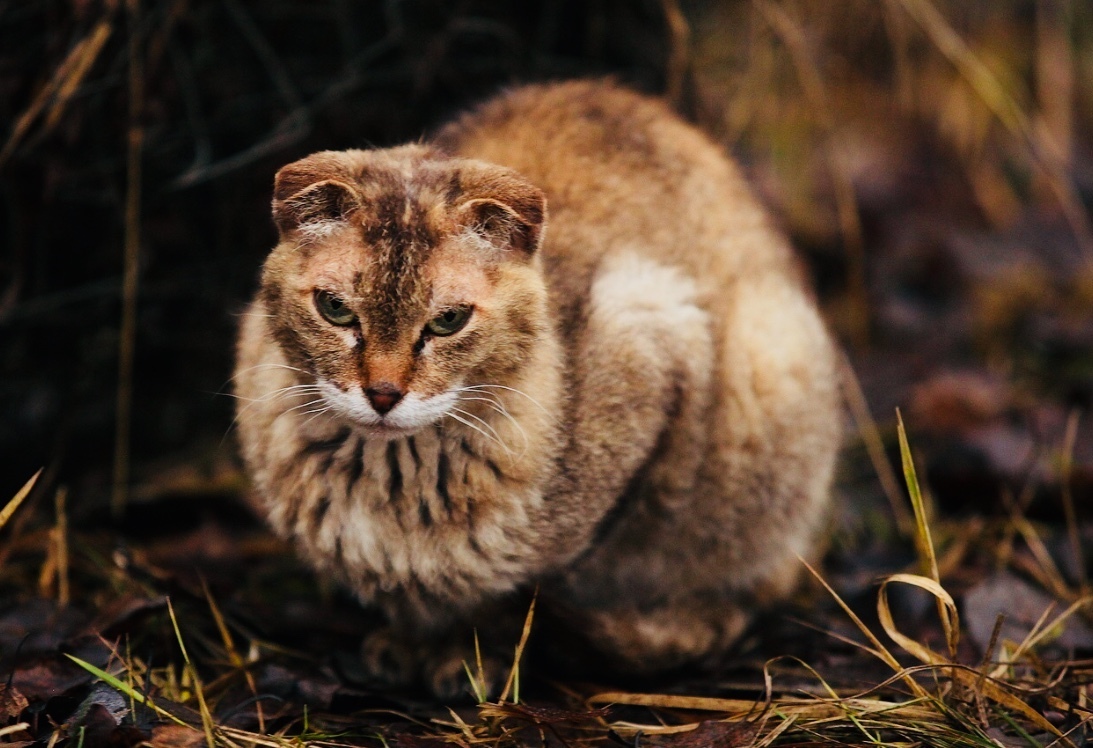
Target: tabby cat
(448,398)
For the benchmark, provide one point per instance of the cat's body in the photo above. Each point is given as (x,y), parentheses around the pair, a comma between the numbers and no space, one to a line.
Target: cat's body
(642,413)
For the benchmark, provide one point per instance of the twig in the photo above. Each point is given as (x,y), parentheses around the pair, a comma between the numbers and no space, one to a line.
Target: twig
(11,506)
(191,102)
(60,538)
(265,53)
(1055,78)
(295,125)
(60,88)
(679,50)
(1002,105)
(127,341)
(1066,471)
(874,446)
(846,204)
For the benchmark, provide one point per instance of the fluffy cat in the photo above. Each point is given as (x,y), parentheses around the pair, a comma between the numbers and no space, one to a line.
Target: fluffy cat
(447,398)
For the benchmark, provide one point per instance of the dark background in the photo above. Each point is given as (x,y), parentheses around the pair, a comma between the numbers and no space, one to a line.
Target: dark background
(929,213)
(232,91)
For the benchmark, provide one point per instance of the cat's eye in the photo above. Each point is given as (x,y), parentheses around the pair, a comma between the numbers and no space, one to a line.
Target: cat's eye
(333,309)
(448,322)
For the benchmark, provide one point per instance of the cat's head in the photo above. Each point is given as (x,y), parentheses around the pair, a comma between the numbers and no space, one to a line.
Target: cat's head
(403,276)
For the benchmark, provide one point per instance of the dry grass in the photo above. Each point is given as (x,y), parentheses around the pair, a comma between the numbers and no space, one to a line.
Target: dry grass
(1013,695)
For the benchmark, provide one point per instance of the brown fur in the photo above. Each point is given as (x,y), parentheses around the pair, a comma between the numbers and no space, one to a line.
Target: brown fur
(654,446)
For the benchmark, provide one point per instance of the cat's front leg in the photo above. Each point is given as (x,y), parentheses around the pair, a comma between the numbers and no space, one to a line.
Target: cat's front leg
(643,372)
(448,655)
(443,664)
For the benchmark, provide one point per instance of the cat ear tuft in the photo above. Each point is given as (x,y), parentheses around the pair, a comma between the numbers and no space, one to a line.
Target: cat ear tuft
(513,219)
(310,190)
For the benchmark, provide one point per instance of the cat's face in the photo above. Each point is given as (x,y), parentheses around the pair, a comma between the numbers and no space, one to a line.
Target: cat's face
(402,279)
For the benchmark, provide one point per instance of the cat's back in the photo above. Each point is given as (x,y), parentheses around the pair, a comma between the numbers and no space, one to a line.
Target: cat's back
(621,171)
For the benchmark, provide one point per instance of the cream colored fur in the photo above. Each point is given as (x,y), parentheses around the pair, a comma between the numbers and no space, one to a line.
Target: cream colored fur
(656,456)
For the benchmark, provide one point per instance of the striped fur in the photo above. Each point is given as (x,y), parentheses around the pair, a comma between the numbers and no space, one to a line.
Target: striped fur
(640,416)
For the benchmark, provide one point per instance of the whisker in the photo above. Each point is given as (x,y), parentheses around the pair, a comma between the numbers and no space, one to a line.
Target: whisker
(470,425)
(295,389)
(516,424)
(302,391)
(251,402)
(308,404)
(484,422)
(269,366)
(239,373)
(523,394)
(498,406)
(317,412)
(301,406)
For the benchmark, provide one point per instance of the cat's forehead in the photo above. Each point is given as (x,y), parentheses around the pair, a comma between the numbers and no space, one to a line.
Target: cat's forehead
(403,224)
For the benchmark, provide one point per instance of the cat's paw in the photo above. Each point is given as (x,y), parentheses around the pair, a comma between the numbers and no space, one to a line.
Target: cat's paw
(389,659)
(449,671)
(452,673)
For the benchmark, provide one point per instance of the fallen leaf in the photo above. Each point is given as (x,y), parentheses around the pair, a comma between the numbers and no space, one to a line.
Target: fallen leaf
(711,734)
(12,702)
(408,740)
(176,736)
(543,715)
(120,615)
(48,677)
(958,401)
(1022,605)
(102,697)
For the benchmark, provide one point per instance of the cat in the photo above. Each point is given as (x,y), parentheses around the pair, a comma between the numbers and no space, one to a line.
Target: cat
(559,346)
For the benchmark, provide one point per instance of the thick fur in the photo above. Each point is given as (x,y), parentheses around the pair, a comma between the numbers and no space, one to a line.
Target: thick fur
(652,415)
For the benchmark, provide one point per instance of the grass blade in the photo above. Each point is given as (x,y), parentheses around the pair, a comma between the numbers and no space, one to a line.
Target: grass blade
(923,541)
(206,715)
(11,506)
(127,690)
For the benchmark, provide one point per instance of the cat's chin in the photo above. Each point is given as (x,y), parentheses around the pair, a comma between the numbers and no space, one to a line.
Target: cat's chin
(387,431)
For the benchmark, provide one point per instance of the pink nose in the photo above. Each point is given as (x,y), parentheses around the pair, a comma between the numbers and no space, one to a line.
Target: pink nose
(383,397)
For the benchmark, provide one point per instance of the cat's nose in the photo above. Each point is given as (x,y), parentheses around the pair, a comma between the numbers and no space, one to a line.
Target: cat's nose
(383,396)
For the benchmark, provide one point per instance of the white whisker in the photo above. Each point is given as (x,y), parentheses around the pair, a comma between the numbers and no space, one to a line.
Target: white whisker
(498,406)
(292,390)
(308,404)
(470,425)
(486,424)
(532,400)
(296,390)
(317,412)
(269,366)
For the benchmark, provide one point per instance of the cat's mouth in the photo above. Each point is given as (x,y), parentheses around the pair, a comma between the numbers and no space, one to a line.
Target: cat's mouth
(412,413)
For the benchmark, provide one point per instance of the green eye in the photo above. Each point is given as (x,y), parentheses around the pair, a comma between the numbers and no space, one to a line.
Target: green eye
(448,322)
(334,309)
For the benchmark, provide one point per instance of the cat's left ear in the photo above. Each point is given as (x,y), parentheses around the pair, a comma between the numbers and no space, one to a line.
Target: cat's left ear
(506,209)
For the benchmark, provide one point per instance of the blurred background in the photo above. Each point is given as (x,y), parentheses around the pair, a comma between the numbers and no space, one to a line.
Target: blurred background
(931,159)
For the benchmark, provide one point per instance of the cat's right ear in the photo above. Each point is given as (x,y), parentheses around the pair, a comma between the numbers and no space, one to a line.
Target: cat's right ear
(310,190)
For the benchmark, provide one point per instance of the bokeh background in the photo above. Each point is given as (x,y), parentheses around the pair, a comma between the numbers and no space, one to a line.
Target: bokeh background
(931,159)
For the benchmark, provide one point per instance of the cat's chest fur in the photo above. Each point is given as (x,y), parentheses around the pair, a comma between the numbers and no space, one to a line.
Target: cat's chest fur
(443,513)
